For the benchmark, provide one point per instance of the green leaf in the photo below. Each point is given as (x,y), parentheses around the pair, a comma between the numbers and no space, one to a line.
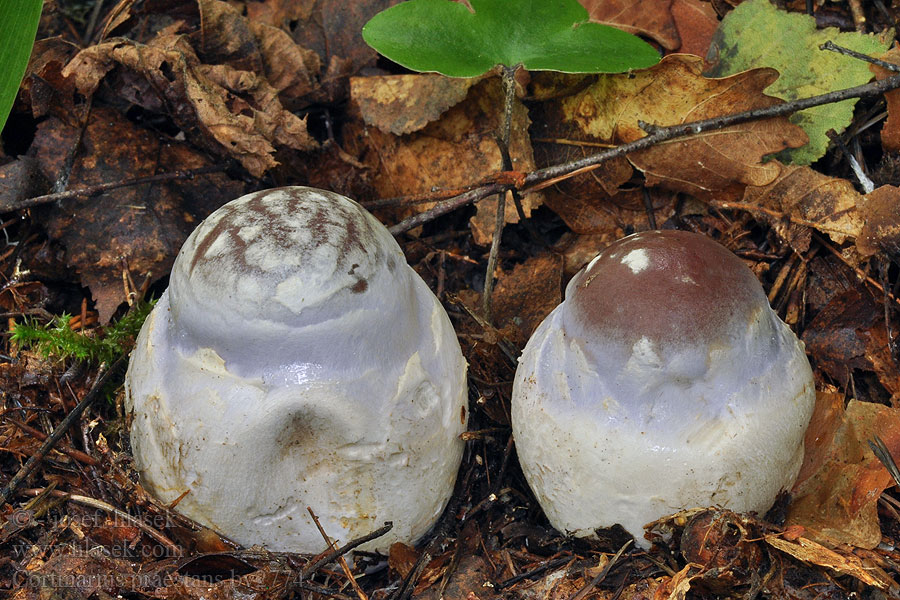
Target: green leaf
(541,35)
(18,26)
(756,34)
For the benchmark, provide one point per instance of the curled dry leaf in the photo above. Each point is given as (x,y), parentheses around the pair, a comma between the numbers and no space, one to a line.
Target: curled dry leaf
(227,37)
(675,92)
(231,112)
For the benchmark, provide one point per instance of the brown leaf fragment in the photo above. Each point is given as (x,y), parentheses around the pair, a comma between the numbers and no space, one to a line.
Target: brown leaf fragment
(837,502)
(801,199)
(454,151)
(651,18)
(675,92)
(890,131)
(291,69)
(226,37)
(880,213)
(138,227)
(696,22)
(333,30)
(400,104)
(19,180)
(527,294)
(44,86)
(841,561)
(849,333)
(236,113)
(231,39)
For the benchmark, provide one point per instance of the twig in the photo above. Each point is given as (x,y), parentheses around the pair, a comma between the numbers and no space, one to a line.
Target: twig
(580,594)
(168,544)
(659,135)
(829,45)
(409,582)
(343,563)
(316,589)
(64,448)
(509,95)
(327,558)
(61,429)
(93,190)
(552,564)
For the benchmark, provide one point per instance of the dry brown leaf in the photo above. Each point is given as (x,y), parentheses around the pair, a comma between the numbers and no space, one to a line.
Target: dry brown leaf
(138,227)
(841,561)
(333,30)
(836,500)
(849,333)
(890,131)
(880,214)
(696,21)
(400,104)
(235,113)
(527,294)
(674,92)
(454,151)
(802,199)
(652,18)
(229,38)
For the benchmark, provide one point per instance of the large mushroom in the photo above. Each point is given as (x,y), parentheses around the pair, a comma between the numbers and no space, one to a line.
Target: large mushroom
(297,361)
(663,381)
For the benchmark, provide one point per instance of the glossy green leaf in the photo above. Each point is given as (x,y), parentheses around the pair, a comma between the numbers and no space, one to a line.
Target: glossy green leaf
(541,35)
(18,26)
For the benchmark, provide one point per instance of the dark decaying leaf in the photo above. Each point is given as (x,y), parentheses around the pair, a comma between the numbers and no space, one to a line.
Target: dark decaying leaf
(138,228)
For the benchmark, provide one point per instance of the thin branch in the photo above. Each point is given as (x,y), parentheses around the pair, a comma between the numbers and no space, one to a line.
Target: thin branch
(94,190)
(509,96)
(829,45)
(61,429)
(659,135)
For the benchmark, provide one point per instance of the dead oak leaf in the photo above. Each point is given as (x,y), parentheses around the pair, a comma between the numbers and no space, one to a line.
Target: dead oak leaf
(674,92)
(235,113)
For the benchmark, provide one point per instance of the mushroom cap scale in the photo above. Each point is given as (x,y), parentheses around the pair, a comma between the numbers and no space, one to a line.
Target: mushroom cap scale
(296,360)
(664,381)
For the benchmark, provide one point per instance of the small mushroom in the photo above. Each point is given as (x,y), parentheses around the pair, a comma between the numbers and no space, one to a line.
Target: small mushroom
(663,381)
(297,361)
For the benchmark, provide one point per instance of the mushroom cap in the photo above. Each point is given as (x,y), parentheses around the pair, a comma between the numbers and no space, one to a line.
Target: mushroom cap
(663,381)
(297,361)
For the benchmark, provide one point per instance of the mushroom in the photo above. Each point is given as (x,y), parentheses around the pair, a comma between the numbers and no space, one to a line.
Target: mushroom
(663,381)
(297,361)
